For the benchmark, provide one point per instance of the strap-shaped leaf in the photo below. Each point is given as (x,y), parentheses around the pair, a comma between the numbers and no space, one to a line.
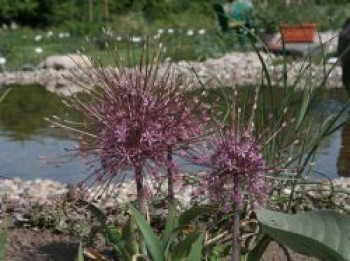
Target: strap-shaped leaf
(80,253)
(113,234)
(169,227)
(182,250)
(321,234)
(128,237)
(196,250)
(114,238)
(152,243)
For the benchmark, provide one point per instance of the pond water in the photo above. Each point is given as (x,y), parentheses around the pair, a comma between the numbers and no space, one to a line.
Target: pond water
(30,148)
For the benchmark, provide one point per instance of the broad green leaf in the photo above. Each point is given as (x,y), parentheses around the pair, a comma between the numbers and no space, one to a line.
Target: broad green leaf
(169,227)
(153,245)
(259,250)
(80,253)
(196,250)
(182,250)
(321,234)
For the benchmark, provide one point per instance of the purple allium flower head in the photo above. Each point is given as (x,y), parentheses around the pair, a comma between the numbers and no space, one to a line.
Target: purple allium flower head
(232,154)
(236,167)
(138,115)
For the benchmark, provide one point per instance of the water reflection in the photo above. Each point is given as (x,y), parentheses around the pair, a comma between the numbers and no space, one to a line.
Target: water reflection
(28,144)
(23,111)
(29,148)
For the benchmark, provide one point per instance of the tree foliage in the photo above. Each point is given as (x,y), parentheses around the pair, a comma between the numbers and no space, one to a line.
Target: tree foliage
(58,12)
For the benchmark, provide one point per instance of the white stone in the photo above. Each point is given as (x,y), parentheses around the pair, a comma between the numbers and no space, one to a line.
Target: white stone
(67,61)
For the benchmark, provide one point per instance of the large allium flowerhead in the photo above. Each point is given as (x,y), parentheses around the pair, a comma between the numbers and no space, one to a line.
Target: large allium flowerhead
(138,114)
(139,120)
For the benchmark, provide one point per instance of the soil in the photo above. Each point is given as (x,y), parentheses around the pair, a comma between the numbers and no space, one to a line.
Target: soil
(41,245)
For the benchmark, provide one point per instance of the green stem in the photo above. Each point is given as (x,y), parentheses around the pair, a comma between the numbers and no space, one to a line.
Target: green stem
(236,244)
(141,197)
(170,177)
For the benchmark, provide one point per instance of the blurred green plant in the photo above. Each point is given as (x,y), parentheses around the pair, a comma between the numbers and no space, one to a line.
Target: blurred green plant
(175,243)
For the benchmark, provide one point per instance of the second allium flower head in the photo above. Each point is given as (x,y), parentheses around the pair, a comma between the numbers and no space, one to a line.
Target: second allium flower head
(236,167)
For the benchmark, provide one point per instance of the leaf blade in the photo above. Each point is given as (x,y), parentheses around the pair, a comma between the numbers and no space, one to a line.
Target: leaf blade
(321,234)
(152,243)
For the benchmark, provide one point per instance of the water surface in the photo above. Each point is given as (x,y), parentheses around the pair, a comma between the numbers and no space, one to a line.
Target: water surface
(30,148)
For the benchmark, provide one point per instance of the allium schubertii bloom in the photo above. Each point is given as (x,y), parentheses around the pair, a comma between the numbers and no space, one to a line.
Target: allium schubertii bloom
(140,115)
(236,168)
(232,155)
(138,119)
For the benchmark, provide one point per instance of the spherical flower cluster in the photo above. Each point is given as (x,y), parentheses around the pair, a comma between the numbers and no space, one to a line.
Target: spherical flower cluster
(139,115)
(236,168)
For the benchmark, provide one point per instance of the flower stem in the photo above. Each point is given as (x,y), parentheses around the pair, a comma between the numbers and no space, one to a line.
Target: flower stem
(170,177)
(142,201)
(140,191)
(236,244)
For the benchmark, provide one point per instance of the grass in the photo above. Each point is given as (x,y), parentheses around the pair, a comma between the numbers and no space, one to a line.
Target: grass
(19,46)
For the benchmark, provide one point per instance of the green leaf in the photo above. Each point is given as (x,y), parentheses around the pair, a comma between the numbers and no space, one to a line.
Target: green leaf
(219,252)
(128,237)
(191,214)
(259,250)
(321,234)
(113,233)
(169,227)
(114,238)
(98,213)
(196,250)
(153,245)
(80,253)
(182,250)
